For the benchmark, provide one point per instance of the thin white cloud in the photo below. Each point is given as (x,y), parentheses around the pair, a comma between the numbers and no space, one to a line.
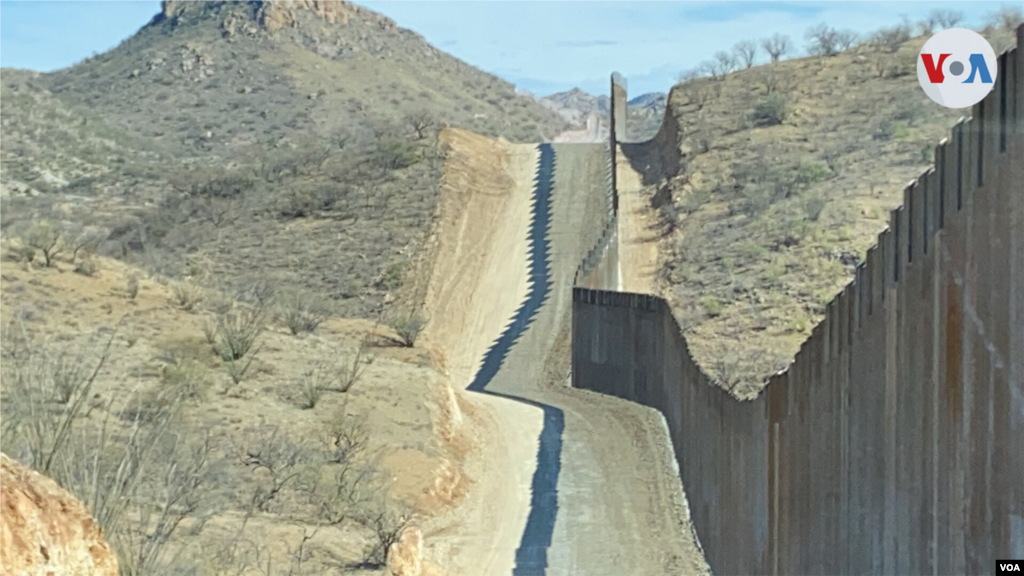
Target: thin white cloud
(560,45)
(542,46)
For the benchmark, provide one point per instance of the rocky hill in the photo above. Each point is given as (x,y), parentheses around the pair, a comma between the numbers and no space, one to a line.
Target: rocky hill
(207,78)
(575,105)
(48,144)
(208,140)
(645,111)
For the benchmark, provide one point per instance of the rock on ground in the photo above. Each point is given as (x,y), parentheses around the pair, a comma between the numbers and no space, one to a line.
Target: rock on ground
(44,530)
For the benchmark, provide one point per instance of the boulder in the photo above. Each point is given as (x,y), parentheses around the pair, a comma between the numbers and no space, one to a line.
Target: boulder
(46,531)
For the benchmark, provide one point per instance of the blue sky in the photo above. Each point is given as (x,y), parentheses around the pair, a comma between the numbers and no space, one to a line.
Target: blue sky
(541,46)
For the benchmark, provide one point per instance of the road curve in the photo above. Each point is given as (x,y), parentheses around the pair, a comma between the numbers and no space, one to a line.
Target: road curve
(605,498)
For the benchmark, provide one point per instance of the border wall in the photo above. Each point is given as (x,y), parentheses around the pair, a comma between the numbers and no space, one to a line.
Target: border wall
(894,442)
(600,268)
(659,157)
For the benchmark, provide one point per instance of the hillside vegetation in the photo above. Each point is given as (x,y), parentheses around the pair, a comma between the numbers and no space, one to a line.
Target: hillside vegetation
(209,335)
(205,436)
(209,78)
(789,171)
(295,142)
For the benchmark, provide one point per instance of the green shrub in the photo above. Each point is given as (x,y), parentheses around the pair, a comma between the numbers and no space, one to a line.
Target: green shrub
(303,311)
(771,110)
(753,250)
(754,200)
(393,154)
(695,199)
(813,207)
(809,173)
(712,305)
(393,276)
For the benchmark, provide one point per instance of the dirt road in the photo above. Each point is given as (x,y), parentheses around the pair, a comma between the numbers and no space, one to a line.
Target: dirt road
(477,282)
(593,132)
(567,482)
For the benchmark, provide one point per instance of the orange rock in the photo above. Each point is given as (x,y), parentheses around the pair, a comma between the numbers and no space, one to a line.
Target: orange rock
(405,557)
(275,14)
(45,531)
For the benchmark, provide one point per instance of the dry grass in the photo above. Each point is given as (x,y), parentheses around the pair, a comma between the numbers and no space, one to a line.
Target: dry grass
(789,171)
(188,474)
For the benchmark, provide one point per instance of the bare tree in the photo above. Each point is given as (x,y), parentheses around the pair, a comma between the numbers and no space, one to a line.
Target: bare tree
(421,122)
(387,523)
(349,485)
(777,46)
(48,238)
(279,457)
(708,68)
(746,52)
(700,93)
(725,62)
(927,24)
(822,40)
(846,39)
(892,38)
(774,81)
(142,543)
(84,240)
(688,75)
(1006,17)
(946,18)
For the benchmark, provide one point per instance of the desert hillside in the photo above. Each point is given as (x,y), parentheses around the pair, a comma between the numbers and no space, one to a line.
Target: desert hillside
(212,245)
(206,79)
(262,438)
(290,141)
(787,173)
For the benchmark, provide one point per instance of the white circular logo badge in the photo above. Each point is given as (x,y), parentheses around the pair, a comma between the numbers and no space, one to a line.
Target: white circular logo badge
(957,68)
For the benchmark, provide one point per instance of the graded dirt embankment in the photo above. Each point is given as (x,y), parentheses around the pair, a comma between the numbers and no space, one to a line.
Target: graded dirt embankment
(478,279)
(638,232)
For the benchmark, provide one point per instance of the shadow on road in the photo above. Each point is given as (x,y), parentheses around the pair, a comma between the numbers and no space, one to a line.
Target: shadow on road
(531,555)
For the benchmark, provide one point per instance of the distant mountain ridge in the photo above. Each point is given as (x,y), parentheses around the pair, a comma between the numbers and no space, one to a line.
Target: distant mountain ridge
(646,110)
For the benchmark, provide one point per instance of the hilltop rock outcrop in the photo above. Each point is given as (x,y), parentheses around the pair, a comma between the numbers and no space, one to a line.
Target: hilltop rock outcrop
(276,14)
(45,531)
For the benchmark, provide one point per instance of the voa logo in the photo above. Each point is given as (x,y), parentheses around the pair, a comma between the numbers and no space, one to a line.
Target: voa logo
(1003,568)
(957,68)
